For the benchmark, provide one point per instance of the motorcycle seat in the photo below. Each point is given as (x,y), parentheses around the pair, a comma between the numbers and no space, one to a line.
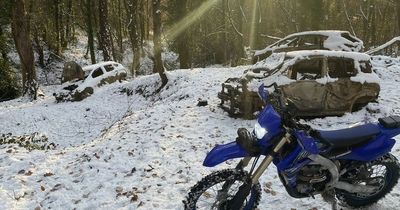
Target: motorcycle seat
(349,136)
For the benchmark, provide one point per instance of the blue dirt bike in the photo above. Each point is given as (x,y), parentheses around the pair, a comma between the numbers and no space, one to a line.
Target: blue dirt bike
(352,165)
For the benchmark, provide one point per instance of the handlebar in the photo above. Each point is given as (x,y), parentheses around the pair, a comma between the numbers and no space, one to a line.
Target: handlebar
(285,110)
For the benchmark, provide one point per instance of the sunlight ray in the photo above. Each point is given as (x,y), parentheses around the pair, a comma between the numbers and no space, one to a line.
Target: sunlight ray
(253,23)
(190,19)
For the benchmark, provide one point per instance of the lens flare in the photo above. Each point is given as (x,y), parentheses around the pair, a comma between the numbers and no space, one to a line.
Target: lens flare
(190,19)
(252,36)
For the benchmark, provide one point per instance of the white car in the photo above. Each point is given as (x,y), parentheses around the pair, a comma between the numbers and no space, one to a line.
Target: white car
(96,75)
(101,73)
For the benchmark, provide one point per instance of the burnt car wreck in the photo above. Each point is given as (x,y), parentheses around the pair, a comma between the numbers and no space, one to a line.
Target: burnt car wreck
(317,82)
(312,40)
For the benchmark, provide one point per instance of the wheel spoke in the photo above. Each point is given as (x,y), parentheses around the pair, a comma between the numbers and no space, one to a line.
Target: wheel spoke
(214,191)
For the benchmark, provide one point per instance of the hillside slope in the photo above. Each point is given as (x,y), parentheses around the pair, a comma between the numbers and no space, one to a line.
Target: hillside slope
(142,151)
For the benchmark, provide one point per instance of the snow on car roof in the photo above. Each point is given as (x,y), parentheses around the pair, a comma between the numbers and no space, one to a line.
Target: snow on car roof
(334,41)
(97,65)
(340,54)
(322,32)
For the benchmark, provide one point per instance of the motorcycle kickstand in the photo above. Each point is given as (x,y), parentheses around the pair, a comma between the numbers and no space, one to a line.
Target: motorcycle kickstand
(329,196)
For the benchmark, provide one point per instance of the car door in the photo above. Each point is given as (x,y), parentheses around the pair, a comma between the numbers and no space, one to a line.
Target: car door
(309,91)
(341,92)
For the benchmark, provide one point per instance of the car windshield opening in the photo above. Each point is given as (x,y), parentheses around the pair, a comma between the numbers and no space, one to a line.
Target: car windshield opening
(97,72)
(341,68)
(306,69)
(108,68)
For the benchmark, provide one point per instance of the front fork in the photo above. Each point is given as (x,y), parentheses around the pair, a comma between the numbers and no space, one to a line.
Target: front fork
(266,162)
(244,190)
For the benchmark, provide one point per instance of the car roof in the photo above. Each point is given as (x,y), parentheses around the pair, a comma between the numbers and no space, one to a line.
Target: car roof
(97,65)
(326,53)
(321,32)
(333,35)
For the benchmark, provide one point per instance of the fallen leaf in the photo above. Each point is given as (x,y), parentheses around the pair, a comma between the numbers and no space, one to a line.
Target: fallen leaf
(48,174)
(134,197)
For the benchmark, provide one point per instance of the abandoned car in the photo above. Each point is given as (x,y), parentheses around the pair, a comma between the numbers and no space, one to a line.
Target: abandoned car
(312,40)
(317,82)
(95,76)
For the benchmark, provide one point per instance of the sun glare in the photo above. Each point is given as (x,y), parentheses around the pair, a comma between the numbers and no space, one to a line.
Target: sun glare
(253,22)
(190,19)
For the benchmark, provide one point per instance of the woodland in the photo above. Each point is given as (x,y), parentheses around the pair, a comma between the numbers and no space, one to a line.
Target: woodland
(201,32)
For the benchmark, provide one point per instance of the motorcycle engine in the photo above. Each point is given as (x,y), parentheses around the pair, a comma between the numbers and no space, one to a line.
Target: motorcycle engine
(312,178)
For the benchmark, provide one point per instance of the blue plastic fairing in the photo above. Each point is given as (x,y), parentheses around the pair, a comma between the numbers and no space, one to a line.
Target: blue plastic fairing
(270,120)
(221,153)
(306,142)
(371,150)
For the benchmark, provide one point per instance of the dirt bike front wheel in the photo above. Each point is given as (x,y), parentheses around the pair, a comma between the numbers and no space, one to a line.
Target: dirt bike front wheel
(215,190)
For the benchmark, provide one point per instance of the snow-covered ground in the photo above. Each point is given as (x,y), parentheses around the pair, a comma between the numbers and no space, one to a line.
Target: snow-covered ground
(124,148)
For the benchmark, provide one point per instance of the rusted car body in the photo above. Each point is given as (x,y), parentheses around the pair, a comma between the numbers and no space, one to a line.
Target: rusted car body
(317,82)
(312,40)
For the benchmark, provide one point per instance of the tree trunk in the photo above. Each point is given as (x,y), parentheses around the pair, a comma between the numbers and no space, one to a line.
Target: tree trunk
(105,41)
(225,32)
(20,27)
(255,25)
(316,8)
(398,17)
(182,39)
(57,25)
(142,24)
(89,15)
(119,32)
(68,23)
(38,46)
(158,66)
(132,9)
(3,51)
(373,26)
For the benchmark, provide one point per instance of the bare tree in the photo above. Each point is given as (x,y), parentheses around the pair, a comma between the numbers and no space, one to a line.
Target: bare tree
(105,41)
(182,39)
(89,28)
(158,66)
(20,27)
(348,18)
(398,16)
(131,7)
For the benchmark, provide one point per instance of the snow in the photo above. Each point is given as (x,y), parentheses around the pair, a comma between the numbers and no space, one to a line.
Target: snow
(339,54)
(334,41)
(387,44)
(272,62)
(143,151)
(326,80)
(98,65)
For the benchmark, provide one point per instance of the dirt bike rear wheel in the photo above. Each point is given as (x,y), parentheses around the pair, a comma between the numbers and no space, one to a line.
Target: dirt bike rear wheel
(383,173)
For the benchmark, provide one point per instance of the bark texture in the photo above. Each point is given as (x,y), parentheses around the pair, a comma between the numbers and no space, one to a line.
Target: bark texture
(158,66)
(21,33)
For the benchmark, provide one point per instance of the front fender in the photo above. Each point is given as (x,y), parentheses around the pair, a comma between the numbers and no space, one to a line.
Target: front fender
(221,153)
